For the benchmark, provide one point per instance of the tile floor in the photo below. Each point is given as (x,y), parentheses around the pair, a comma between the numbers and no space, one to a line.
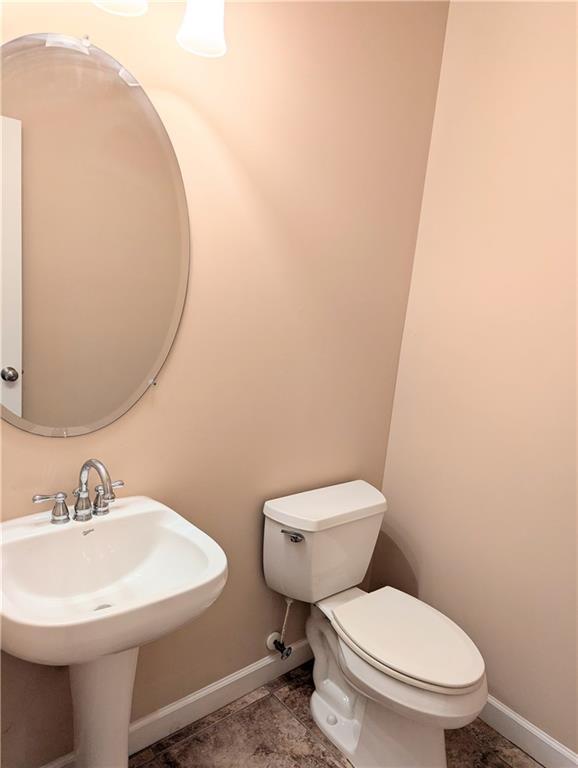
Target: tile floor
(271,728)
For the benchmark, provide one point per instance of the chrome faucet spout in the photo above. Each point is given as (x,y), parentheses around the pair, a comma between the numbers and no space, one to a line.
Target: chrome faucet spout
(103,474)
(83,508)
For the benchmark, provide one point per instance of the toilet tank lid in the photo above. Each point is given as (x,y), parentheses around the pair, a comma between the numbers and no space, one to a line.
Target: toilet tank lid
(327,507)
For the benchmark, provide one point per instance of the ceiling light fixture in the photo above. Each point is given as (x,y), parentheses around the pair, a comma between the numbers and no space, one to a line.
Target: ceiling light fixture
(202,30)
(123,7)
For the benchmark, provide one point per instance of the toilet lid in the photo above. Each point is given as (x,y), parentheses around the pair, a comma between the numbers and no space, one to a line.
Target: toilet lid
(409,637)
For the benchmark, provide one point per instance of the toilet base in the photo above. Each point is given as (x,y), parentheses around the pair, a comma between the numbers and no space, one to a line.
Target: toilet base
(383,739)
(368,733)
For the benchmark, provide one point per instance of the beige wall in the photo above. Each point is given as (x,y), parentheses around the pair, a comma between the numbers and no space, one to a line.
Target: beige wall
(303,154)
(480,471)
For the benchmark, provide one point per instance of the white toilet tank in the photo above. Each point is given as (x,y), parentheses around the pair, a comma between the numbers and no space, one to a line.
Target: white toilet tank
(320,542)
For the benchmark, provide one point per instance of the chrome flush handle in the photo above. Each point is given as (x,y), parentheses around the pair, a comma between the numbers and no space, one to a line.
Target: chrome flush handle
(294,536)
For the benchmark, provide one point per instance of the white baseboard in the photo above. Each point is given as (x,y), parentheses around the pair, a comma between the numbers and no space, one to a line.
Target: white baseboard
(166,720)
(527,736)
(66,761)
(169,719)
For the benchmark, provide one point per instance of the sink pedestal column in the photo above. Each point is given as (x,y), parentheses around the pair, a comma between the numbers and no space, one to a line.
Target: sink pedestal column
(101,702)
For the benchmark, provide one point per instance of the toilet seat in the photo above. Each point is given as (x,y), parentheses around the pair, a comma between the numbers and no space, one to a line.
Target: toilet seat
(406,639)
(449,709)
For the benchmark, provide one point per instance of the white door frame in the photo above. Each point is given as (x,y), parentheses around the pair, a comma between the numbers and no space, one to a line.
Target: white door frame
(11,256)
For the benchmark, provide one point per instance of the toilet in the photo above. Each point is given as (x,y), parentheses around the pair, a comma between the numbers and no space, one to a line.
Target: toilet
(390,672)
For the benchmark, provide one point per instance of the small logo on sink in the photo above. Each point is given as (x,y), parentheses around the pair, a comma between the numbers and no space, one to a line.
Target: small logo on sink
(90,530)
(104,605)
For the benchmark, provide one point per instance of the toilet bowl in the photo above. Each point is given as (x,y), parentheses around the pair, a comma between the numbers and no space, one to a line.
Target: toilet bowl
(390,672)
(378,716)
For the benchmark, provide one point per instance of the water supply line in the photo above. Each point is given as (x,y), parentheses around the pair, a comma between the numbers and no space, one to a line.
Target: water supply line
(284,650)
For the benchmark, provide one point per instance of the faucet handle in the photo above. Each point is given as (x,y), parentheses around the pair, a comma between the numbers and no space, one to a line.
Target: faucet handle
(40,497)
(100,506)
(116,484)
(59,510)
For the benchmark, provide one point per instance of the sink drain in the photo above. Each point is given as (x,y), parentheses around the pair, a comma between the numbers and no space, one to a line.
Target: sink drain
(104,605)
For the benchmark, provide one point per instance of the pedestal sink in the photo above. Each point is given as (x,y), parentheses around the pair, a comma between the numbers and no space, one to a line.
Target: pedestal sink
(89,594)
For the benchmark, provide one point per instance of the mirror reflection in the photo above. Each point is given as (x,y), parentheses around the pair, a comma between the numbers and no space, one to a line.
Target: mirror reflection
(95,247)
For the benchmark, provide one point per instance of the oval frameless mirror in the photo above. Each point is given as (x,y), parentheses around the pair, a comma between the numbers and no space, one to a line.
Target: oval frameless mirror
(95,237)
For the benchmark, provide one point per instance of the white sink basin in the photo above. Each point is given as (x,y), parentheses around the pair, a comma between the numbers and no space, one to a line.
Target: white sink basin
(88,594)
(75,592)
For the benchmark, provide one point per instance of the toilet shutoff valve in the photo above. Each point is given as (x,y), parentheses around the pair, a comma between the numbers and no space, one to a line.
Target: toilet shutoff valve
(284,650)
(275,643)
